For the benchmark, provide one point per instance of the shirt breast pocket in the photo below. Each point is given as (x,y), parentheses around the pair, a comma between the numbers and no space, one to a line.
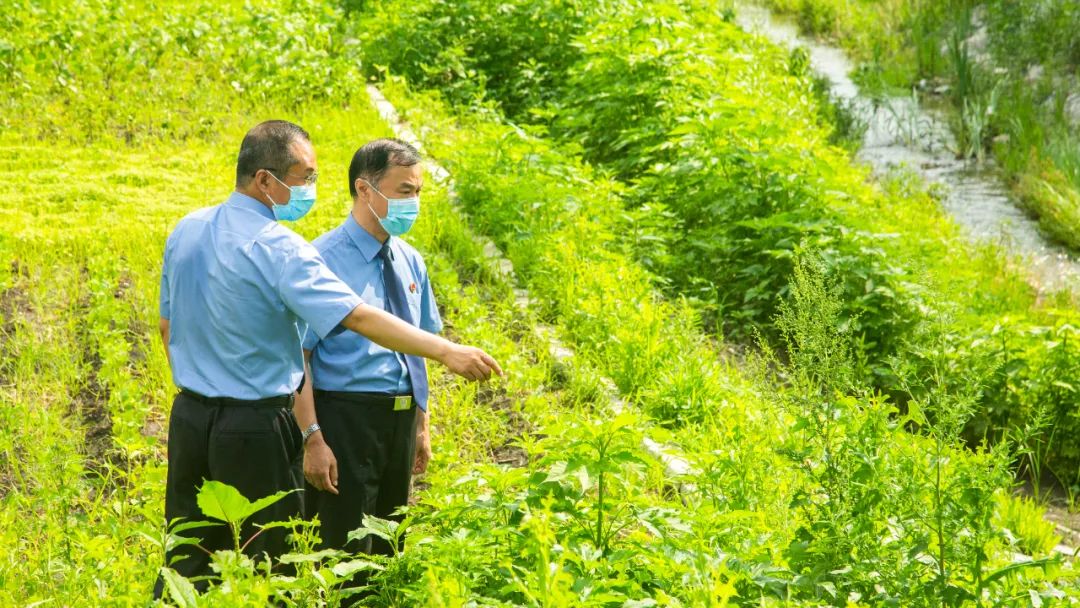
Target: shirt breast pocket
(414,305)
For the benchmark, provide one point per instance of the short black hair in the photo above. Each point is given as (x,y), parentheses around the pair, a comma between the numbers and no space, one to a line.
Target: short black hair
(374,158)
(266,146)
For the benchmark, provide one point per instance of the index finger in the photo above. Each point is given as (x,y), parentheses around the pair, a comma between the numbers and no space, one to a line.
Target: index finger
(494,365)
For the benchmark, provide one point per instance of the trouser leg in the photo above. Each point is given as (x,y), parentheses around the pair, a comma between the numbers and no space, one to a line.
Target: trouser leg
(370,442)
(374,447)
(254,449)
(257,450)
(396,479)
(354,432)
(189,427)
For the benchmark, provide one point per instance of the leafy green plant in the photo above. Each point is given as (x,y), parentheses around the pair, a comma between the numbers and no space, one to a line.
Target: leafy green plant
(226,504)
(516,51)
(1022,519)
(837,439)
(964,84)
(393,532)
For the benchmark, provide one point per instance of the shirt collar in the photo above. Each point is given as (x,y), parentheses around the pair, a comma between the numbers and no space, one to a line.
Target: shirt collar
(238,199)
(368,245)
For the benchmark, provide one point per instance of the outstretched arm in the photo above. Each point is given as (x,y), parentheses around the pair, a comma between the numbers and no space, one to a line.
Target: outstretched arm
(391,332)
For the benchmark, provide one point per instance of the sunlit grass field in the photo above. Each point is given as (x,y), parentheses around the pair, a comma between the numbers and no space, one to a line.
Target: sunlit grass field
(86,388)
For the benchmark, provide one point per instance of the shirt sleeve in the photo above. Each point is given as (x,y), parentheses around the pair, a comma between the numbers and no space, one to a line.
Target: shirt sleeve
(311,339)
(313,292)
(430,320)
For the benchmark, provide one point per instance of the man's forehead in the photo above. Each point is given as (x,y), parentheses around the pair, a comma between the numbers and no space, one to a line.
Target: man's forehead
(413,174)
(304,153)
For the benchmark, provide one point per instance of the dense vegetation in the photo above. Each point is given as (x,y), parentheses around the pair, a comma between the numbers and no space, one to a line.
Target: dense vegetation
(833,440)
(718,138)
(812,344)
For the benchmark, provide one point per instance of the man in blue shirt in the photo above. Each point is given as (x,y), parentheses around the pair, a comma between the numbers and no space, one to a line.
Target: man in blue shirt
(237,290)
(370,401)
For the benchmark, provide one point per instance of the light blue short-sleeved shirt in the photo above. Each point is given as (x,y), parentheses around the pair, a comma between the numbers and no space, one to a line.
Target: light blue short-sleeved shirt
(238,290)
(348,361)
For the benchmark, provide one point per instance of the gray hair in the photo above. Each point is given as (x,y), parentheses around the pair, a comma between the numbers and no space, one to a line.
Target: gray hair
(376,157)
(267,146)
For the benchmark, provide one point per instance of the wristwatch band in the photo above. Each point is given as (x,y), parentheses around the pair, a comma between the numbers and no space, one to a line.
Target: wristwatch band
(309,431)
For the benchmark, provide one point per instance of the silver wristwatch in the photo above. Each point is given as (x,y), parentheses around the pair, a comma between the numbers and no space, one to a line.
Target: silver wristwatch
(309,431)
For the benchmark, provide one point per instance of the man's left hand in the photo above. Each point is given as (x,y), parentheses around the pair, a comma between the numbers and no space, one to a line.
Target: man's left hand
(423,444)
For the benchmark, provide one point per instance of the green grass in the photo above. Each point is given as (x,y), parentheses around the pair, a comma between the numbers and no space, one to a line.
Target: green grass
(757,444)
(726,175)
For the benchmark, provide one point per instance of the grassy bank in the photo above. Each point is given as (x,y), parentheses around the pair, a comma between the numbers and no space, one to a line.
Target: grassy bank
(727,176)
(758,443)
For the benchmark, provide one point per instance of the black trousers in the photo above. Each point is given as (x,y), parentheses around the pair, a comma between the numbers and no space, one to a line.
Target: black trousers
(375,447)
(254,448)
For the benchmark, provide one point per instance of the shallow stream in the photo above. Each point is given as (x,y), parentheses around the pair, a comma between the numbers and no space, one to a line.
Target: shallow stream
(902,133)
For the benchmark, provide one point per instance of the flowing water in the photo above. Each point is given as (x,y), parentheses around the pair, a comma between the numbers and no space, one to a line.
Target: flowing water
(901,133)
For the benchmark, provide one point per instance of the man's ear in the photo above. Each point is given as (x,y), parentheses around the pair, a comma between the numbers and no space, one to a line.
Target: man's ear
(361,188)
(262,178)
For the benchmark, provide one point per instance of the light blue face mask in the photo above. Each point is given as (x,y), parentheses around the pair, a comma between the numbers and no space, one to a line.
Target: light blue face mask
(401,213)
(301,199)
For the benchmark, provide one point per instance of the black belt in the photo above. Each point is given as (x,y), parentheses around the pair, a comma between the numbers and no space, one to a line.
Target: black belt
(360,397)
(278,401)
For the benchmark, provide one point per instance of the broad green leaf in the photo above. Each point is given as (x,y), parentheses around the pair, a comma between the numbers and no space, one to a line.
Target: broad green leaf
(584,481)
(349,568)
(299,558)
(181,591)
(266,501)
(191,525)
(276,524)
(383,528)
(224,502)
